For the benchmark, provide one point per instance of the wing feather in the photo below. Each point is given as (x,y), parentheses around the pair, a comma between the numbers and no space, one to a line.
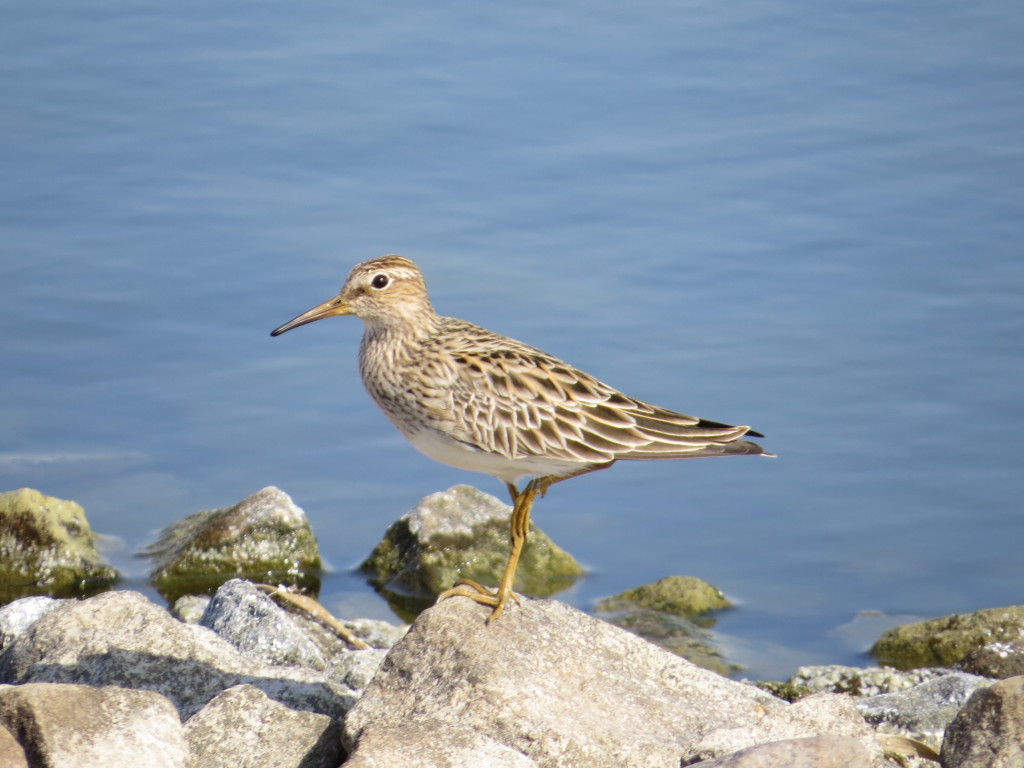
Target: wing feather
(511,399)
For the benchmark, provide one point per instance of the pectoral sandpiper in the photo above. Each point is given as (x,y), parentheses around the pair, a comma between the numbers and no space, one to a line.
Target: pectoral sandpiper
(477,400)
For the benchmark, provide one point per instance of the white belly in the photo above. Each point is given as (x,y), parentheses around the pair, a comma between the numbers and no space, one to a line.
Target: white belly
(454,454)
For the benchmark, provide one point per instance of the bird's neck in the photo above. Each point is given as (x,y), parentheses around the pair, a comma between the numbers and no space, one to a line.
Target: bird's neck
(400,330)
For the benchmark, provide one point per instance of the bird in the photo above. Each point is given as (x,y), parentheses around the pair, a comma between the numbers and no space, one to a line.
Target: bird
(480,401)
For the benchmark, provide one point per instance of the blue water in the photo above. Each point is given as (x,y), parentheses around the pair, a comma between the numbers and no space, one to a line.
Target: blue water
(807,219)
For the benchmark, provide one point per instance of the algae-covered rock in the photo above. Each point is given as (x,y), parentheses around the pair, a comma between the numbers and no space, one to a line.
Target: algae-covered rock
(47,547)
(685,596)
(461,533)
(945,641)
(998,660)
(674,634)
(265,537)
(665,613)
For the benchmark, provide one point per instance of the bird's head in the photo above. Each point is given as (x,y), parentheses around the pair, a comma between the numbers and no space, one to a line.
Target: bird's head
(385,292)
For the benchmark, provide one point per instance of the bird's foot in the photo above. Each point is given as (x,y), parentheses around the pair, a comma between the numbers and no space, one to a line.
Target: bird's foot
(478,593)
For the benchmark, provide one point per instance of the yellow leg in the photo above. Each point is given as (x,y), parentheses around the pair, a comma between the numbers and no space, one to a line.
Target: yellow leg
(513,492)
(520,528)
(522,504)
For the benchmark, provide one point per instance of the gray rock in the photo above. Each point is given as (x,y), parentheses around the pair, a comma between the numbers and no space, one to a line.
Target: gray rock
(461,533)
(924,711)
(17,617)
(998,660)
(259,628)
(944,641)
(265,537)
(565,689)
(80,726)
(812,752)
(989,731)
(430,744)
(46,543)
(242,728)
(821,714)
(12,754)
(860,681)
(121,638)
(356,669)
(376,633)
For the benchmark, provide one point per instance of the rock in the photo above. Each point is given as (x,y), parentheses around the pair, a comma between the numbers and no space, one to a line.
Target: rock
(12,755)
(259,628)
(675,634)
(434,743)
(685,596)
(190,608)
(922,712)
(791,692)
(121,638)
(565,689)
(242,728)
(860,681)
(461,533)
(47,547)
(265,537)
(944,641)
(821,714)
(812,752)
(998,660)
(262,630)
(376,633)
(81,726)
(17,617)
(663,613)
(989,731)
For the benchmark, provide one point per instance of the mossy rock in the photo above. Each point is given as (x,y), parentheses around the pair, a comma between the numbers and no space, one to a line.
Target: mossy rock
(461,533)
(47,547)
(685,596)
(674,634)
(263,538)
(945,641)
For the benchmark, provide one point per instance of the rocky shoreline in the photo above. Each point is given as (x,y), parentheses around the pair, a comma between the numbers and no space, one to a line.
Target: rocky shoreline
(257,676)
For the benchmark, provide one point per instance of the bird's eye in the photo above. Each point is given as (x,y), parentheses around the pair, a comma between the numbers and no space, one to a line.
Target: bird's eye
(380,281)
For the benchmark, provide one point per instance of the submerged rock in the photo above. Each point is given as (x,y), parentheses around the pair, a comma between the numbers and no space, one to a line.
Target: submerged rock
(945,641)
(669,613)
(265,537)
(461,533)
(47,547)
(675,635)
(685,596)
